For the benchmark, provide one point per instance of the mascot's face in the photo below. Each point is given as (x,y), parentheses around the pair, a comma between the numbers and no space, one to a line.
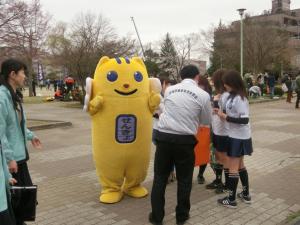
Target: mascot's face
(121,77)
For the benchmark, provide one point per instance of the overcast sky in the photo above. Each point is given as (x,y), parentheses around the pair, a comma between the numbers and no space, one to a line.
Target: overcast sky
(154,18)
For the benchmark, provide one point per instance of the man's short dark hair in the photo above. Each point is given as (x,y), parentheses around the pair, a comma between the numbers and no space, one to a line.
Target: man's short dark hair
(189,71)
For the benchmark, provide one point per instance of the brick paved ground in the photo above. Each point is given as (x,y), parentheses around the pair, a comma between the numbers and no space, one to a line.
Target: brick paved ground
(68,186)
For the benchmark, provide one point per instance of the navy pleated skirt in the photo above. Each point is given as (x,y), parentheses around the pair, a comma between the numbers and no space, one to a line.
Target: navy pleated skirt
(239,147)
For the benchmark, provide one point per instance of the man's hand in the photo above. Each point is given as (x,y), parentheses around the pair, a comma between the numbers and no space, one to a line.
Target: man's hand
(13,166)
(36,143)
(12,181)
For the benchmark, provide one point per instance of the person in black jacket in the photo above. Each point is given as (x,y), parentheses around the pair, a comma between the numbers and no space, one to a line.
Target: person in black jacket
(271,84)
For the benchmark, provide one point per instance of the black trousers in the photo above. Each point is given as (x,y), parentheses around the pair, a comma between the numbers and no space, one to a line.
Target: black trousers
(172,150)
(23,178)
(7,217)
(298,99)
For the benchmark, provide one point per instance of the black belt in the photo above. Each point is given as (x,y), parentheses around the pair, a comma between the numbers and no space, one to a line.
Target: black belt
(176,138)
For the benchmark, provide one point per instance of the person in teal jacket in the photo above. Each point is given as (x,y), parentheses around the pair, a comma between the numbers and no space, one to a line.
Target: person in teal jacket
(15,136)
(6,214)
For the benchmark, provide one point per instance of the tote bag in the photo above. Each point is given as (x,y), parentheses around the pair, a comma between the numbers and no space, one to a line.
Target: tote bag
(24,201)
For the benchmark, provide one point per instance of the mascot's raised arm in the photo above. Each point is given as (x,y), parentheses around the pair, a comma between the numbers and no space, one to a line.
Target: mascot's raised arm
(121,100)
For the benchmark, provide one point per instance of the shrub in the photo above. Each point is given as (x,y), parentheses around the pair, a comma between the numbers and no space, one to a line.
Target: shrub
(278,91)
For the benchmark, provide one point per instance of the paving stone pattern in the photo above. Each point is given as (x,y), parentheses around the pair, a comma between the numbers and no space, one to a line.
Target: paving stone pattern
(69,188)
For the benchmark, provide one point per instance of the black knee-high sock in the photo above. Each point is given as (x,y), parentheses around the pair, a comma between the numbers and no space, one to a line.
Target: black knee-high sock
(226,173)
(219,170)
(244,180)
(233,180)
(201,170)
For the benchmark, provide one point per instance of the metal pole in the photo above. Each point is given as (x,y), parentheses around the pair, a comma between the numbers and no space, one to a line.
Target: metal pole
(189,50)
(242,45)
(241,12)
(136,30)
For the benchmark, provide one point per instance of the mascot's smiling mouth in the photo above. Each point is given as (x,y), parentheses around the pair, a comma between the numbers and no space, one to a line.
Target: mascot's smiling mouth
(126,93)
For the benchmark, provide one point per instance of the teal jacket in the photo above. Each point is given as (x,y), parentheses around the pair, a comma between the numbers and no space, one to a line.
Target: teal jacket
(4,174)
(13,141)
(4,178)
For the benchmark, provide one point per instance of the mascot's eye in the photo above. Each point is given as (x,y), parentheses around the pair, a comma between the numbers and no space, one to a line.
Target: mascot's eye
(112,76)
(138,76)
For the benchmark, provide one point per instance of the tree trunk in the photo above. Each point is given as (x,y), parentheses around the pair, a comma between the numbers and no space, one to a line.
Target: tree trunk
(82,84)
(30,78)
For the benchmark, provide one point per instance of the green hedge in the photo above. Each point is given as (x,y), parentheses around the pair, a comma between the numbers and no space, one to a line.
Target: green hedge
(278,91)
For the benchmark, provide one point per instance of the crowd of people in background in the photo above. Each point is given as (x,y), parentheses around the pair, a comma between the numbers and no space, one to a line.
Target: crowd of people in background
(268,84)
(64,90)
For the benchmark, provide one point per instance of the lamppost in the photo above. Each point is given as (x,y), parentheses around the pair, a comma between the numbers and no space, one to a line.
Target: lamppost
(241,12)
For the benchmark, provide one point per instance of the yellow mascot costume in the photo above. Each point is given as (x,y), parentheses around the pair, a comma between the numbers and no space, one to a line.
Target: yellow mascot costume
(121,100)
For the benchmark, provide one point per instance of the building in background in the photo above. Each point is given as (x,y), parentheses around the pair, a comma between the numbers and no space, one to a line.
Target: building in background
(280,16)
(200,64)
(289,20)
(279,6)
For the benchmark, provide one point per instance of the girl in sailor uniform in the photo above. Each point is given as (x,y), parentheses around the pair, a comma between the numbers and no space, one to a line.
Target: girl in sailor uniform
(240,142)
(219,133)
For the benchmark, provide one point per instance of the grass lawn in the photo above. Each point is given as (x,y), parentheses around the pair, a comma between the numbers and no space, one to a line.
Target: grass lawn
(74,105)
(41,100)
(293,216)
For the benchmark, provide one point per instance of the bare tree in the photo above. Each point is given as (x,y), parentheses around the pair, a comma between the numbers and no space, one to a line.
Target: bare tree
(188,47)
(26,35)
(10,11)
(265,45)
(206,40)
(78,47)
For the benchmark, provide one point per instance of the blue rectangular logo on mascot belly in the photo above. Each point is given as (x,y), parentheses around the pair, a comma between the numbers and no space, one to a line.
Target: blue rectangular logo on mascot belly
(126,128)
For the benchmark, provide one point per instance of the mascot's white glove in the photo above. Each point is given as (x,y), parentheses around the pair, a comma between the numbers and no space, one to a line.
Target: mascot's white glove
(88,93)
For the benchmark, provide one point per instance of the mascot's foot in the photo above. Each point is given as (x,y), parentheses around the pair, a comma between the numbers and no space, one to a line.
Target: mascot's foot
(137,192)
(111,197)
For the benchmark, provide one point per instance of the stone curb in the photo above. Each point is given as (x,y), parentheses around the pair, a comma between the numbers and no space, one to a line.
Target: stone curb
(266,100)
(50,125)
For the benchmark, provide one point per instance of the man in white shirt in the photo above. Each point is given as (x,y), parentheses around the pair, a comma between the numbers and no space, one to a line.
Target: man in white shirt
(186,107)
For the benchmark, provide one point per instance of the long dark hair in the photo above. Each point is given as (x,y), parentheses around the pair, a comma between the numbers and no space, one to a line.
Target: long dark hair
(203,81)
(217,79)
(233,79)
(8,66)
